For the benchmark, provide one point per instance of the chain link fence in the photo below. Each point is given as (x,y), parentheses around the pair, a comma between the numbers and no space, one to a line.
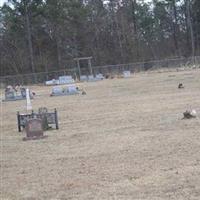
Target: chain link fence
(38,78)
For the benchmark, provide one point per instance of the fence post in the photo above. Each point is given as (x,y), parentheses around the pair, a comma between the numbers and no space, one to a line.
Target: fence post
(18,122)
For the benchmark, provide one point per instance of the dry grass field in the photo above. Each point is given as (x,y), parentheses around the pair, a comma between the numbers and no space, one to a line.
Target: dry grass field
(124,140)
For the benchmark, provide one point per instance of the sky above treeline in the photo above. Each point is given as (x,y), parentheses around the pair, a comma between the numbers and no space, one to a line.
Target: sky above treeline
(1,2)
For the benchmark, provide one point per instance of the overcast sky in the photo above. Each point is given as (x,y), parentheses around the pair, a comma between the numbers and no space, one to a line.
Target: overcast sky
(1,2)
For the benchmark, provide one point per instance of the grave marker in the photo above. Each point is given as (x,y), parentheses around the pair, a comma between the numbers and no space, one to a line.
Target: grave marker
(28,100)
(51,118)
(126,74)
(34,129)
(12,95)
(66,80)
(57,90)
(9,95)
(91,78)
(72,89)
(99,77)
(83,78)
(52,82)
(66,90)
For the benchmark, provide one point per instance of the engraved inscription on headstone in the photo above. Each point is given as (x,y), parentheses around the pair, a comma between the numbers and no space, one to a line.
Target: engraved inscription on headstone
(34,128)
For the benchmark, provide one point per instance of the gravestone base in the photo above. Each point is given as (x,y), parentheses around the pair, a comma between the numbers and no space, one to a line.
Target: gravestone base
(35,138)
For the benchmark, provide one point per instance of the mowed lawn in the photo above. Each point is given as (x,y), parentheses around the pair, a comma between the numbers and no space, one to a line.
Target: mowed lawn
(124,140)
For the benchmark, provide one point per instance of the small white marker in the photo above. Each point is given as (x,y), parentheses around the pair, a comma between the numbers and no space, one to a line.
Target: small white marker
(28,100)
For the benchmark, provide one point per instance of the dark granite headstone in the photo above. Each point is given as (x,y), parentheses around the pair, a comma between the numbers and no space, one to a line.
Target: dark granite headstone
(34,129)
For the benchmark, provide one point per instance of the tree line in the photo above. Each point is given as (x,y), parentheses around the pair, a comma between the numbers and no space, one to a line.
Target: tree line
(46,35)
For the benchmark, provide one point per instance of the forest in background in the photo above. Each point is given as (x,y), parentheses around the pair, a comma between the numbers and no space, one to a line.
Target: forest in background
(46,35)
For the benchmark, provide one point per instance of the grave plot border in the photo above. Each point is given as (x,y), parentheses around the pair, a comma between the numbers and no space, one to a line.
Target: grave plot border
(52,118)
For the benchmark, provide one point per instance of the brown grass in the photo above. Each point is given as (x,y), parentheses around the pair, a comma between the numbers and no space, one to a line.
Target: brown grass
(123,140)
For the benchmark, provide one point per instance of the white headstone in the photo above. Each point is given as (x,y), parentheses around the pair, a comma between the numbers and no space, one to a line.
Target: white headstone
(126,74)
(91,78)
(28,100)
(57,90)
(66,79)
(83,78)
(52,82)
(72,89)
(99,77)
(193,113)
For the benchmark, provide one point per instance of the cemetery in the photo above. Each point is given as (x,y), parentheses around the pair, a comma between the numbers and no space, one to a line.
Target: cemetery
(125,137)
(100,99)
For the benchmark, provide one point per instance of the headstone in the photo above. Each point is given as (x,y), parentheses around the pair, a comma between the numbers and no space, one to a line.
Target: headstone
(20,94)
(126,74)
(49,82)
(72,89)
(52,82)
(83,78)
(91,78)
(34,129)
(99,76)
(57,90)
(66,90)
(28,100)
(56,82)
(9,95)
(66,80)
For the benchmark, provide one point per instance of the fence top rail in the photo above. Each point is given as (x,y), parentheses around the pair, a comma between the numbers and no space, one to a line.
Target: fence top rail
(143,62)
(38,73)
(101,67)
